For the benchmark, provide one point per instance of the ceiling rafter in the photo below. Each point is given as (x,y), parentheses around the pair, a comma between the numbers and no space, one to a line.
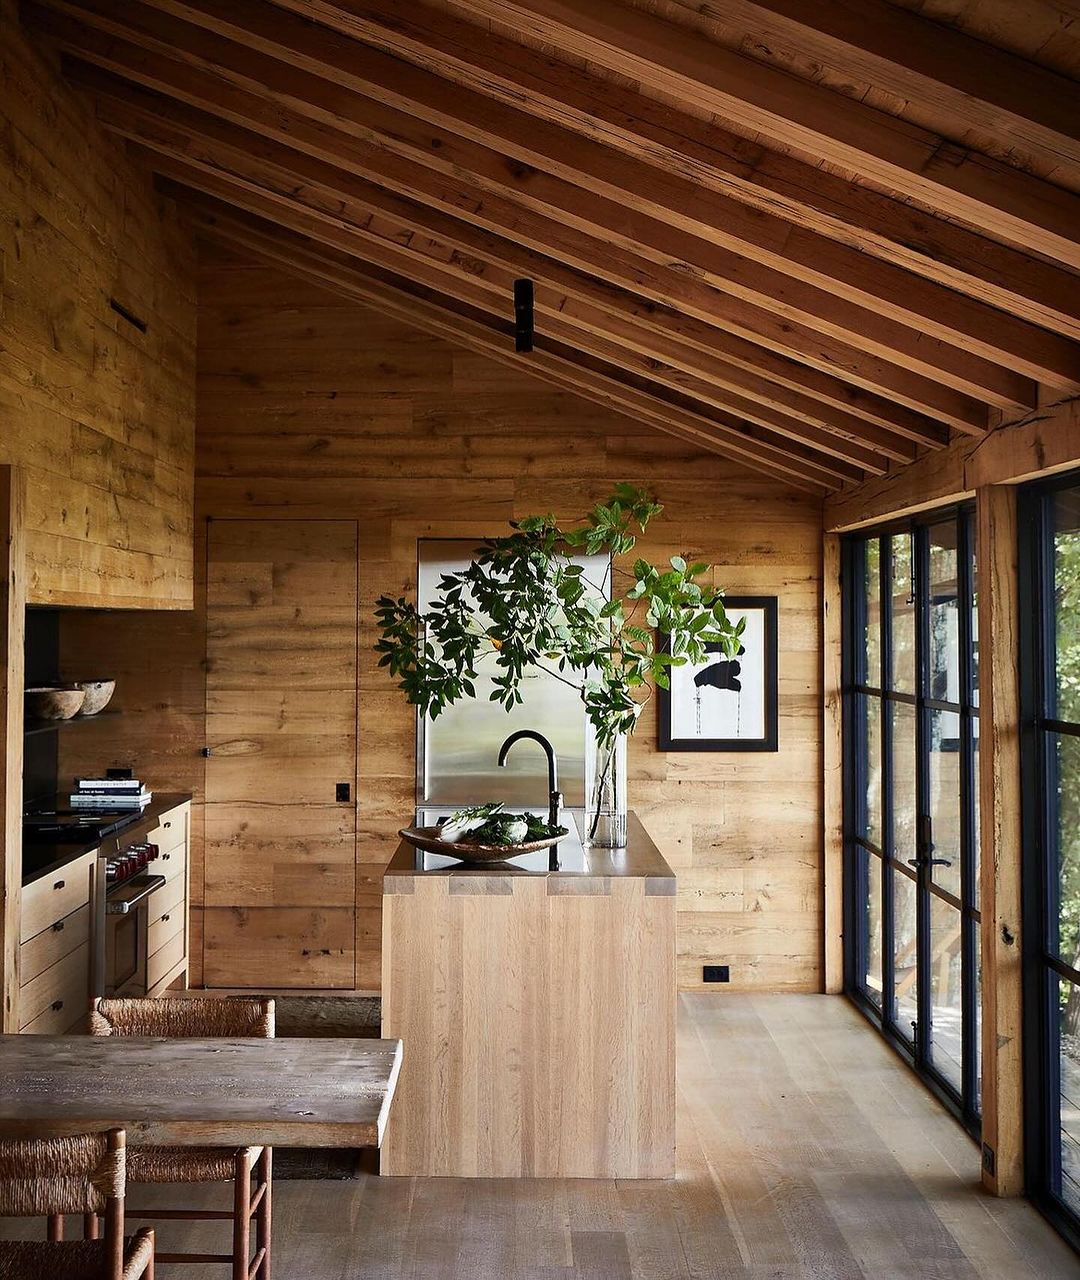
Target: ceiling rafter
(458,325)
(715,159)
(880,148)
(977,85)
(391,251)
(820,327)
(328,187)
(830,288)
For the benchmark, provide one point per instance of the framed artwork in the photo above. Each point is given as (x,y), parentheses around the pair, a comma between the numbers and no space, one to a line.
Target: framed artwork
(726,704)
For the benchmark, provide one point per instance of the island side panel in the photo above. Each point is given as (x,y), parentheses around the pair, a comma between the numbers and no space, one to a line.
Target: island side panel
(538,1018)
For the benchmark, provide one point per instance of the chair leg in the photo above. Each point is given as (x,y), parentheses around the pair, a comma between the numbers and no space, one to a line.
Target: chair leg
(55,1228)
(241,1215)
(265,1179)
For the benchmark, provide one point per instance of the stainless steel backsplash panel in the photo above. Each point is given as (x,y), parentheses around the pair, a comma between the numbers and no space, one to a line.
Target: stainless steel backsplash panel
(456,757)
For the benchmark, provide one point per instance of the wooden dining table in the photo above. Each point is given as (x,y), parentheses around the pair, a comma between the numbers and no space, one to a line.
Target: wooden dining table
(213,1092)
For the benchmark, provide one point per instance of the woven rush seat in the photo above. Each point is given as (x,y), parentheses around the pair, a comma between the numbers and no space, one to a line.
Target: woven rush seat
(183,1164)
(72,1259)
(80,1174)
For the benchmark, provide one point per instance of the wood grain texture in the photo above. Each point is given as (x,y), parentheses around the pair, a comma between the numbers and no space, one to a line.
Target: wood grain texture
(235,1092)
(1035,445)
(281,616)
(539,1014)
(314,408)
(12,661)
(101,414)
(833,765)
(1000,837)
(806,1151)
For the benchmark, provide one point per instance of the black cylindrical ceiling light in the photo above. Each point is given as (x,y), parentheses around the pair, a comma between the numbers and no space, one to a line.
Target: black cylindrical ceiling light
(523,315)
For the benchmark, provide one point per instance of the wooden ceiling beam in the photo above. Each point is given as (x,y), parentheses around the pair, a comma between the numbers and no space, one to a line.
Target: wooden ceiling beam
(830,288)
(640,347)
(492,294)
(177,129)
(891,153)
(461,327)
(711,157)
(967,81)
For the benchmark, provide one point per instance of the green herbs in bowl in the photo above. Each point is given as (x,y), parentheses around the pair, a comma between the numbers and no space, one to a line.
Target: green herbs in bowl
(489,825)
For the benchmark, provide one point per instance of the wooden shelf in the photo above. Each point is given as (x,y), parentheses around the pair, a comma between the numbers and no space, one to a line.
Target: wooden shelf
(51,726)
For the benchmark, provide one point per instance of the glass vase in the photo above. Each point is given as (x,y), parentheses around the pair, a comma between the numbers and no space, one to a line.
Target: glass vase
(605,816)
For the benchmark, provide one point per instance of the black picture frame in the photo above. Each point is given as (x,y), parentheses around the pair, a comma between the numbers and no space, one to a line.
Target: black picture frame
(768,606)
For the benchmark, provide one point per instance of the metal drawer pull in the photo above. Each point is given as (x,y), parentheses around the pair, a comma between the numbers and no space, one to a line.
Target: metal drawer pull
(57,1005)
(164,918)
(165,857)
(166,825)
(58,927)
(59,884)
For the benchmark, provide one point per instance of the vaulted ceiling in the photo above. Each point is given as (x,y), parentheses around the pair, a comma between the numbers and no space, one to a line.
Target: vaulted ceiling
(820,238)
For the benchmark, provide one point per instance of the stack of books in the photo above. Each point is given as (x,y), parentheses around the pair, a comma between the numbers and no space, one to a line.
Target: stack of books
(109,793)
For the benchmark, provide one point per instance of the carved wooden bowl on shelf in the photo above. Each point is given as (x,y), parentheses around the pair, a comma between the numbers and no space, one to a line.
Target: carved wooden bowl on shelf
(427,838)
(52,703)
(98,693)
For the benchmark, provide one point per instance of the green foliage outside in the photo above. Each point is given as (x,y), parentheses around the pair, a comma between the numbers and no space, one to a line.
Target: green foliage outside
(1067,600)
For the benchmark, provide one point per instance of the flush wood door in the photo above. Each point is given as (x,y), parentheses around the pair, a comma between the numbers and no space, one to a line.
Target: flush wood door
(281,731)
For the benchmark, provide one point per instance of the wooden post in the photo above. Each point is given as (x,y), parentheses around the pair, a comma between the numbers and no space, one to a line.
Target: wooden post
(1000,832)
(833,765)
(12,623)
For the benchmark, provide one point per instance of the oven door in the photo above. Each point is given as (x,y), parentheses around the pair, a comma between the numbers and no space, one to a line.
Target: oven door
(127,920)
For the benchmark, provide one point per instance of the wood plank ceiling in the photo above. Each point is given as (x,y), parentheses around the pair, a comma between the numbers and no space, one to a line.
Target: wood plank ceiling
(818,238)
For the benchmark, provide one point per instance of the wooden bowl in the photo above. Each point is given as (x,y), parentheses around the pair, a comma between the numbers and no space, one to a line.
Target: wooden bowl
(98,693)
(53,703)
(427,838)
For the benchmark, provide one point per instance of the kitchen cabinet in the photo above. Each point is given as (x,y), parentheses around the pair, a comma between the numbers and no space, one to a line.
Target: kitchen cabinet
(168,932)
(54,948)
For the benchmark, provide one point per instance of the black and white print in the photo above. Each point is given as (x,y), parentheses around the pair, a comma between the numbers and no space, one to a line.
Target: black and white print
(727,704)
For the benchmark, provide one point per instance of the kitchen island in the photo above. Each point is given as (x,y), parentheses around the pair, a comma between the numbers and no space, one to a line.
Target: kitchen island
(537,1012)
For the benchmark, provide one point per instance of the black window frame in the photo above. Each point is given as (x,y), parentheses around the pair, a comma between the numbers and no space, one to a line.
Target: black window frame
(964,1104)
(1040,881)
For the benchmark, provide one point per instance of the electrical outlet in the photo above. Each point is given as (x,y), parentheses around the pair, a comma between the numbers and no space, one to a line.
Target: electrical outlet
(342,791)
(989,1161)
(715,973)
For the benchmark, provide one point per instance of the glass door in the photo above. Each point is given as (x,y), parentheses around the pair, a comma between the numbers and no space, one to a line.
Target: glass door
(911,820)
(1050,608)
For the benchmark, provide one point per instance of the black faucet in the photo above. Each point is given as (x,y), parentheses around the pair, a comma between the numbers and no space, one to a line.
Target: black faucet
(554,798)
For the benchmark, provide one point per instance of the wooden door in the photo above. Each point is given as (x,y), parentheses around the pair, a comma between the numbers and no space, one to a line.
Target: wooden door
(281,728)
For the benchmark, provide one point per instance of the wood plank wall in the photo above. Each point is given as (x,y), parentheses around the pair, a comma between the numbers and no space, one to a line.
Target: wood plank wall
(310,406)
(99,413)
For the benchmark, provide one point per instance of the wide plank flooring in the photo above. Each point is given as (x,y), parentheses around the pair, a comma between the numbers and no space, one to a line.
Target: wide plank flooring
(806,1150)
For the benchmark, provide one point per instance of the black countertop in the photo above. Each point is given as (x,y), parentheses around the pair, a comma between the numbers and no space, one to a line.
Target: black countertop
(42,858)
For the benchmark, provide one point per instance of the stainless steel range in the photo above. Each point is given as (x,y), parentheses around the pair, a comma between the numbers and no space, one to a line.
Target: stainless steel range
(122,918)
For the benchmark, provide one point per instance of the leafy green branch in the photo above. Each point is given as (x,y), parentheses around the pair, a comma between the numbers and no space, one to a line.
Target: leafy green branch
(525,600)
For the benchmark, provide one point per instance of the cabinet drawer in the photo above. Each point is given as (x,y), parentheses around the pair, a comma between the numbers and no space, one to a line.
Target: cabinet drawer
(168,899)
(56,1022)
(165,958)
(162,929)
(172,831)
(53,943)
(56,895)
(170,863)
(64,988)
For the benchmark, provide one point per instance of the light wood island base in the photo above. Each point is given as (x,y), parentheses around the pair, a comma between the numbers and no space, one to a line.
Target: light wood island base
(537,1013)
